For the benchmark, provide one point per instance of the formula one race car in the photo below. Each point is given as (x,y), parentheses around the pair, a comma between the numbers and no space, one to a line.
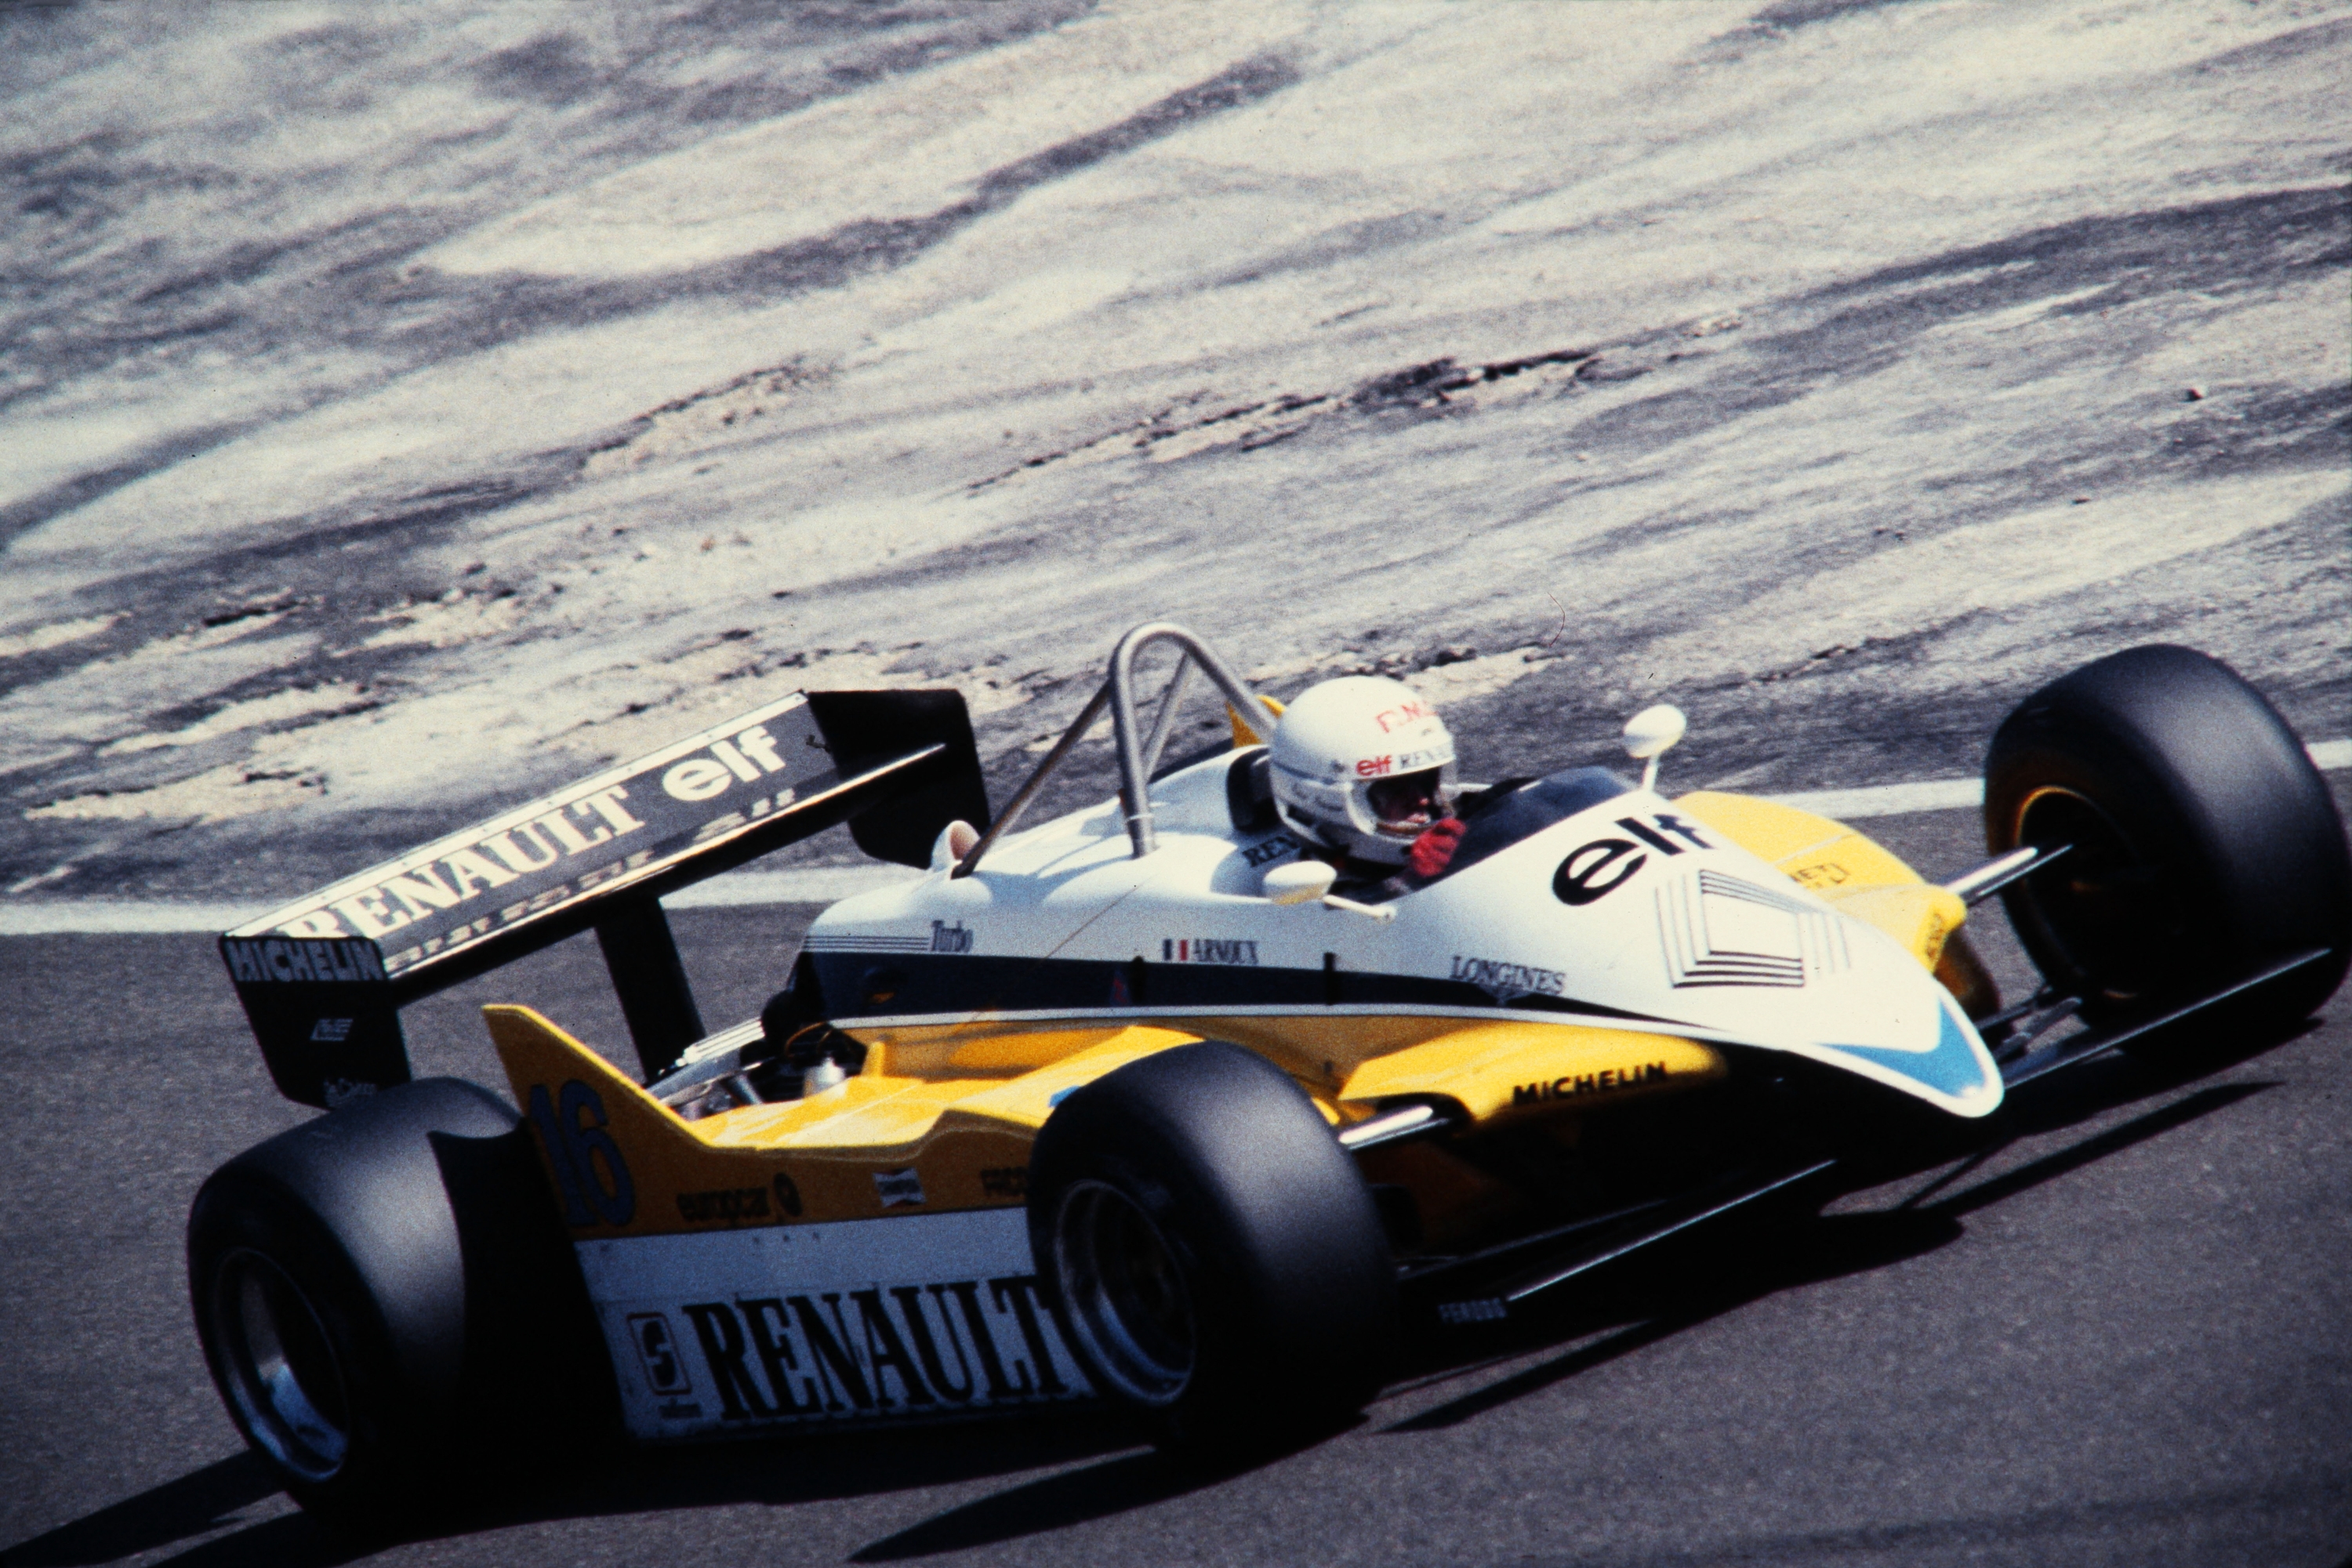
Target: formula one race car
(1135,1105)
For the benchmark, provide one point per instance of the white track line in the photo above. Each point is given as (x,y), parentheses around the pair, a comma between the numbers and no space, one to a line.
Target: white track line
(734,889)
(1888,800)
(1957,794)
(824,884)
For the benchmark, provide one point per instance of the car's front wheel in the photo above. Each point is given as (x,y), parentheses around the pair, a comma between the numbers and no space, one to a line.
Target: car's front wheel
(2201,842)
(1217,1258)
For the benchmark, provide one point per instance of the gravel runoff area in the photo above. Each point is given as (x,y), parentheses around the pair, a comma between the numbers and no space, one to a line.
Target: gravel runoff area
(410,408)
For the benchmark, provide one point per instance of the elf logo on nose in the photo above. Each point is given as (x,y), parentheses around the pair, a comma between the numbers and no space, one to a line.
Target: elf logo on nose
(1602,866)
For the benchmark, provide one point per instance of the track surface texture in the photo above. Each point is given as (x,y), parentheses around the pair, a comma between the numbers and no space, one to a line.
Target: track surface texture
(2119,1337)
(404,410)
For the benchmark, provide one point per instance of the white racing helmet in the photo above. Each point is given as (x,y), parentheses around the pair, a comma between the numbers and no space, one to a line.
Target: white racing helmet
(1343,741)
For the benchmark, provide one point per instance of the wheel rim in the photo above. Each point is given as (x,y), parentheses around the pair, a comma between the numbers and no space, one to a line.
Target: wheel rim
(1127,1300)
(2103,907)
(281,1370)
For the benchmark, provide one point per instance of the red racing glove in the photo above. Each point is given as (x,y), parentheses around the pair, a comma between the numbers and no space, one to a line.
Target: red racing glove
(1434,850)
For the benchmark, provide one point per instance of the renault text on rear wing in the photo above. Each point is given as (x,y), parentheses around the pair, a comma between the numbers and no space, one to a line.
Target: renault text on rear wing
(323,979)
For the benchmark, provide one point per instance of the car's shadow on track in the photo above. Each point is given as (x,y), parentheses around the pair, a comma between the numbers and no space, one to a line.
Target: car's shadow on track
(194,1504)
(613,1480)
(1097,1466)
(1694,1278)
(1686,1283)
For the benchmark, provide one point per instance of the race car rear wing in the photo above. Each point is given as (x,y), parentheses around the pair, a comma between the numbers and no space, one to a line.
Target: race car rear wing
(323,979)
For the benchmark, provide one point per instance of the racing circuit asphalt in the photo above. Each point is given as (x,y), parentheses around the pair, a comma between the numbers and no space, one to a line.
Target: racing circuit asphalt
(2120,1338)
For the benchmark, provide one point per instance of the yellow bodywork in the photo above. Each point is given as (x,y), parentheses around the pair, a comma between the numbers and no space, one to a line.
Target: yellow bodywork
(1245,734)
(1347,1062)
(964,1139)
(941,1116)
(958,1109)
(1861,878)
(1503,1070)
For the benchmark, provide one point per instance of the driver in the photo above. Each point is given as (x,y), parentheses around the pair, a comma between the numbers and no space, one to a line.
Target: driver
(1363,771)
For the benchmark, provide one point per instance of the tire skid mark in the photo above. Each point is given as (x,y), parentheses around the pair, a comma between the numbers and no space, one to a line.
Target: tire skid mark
(1436,385)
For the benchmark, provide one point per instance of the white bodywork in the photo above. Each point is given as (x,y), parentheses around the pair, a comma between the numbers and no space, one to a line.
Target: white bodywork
(1701,939)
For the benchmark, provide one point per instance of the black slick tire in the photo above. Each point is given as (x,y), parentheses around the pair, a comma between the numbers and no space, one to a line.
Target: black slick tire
(388,1305)
(2204,841)
(1217,1261)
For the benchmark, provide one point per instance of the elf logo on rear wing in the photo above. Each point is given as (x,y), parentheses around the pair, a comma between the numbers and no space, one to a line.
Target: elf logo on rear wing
(514,862)
(597,855)
(748,756)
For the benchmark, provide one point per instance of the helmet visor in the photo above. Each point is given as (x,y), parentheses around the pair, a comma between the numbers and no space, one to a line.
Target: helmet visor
(1408,803)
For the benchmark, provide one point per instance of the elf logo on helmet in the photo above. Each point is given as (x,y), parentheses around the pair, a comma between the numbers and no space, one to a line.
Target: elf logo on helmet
(1383,766)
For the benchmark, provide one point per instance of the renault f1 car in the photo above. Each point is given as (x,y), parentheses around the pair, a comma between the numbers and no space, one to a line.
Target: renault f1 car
(1135,1105)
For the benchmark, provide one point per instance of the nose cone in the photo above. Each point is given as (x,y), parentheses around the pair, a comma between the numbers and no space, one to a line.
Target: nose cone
(1956,1072)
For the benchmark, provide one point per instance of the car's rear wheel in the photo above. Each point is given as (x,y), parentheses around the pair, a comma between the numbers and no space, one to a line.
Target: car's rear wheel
(2201,840)
(386,1300)
(1219,1262)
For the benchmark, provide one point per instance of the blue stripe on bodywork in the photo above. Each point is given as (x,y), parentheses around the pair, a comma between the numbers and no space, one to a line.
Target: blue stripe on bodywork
(1952,1068)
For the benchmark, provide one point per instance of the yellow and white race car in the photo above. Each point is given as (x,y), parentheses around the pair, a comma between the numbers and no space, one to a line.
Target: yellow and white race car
(1135,1105)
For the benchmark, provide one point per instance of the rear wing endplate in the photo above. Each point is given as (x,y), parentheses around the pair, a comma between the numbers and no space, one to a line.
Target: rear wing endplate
(323,979)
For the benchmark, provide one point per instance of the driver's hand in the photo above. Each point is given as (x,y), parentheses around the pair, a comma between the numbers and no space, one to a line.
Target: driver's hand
(1434,850)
